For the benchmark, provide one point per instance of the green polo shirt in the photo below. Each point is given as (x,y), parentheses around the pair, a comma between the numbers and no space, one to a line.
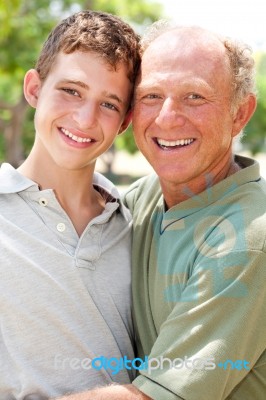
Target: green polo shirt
(199,272)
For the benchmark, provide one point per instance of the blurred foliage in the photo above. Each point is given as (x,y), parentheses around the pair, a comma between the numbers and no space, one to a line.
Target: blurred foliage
(255,132)
(24,26)
(126,141)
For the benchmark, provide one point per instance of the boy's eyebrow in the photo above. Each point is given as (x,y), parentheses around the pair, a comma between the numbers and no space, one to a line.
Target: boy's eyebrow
(85,86)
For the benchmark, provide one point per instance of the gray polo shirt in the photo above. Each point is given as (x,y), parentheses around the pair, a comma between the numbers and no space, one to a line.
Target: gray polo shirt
(64,299)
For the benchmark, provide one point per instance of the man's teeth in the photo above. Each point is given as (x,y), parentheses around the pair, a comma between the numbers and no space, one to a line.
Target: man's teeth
(182,142)
(74,137)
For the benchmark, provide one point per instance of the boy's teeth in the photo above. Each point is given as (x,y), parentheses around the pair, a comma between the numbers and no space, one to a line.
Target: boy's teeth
(182,142)
(74,137)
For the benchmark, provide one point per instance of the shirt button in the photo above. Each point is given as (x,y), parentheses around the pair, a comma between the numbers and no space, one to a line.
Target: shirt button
(61,227)
(43,202)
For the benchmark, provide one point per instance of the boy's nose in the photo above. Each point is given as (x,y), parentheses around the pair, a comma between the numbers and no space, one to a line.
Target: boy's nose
(86,116)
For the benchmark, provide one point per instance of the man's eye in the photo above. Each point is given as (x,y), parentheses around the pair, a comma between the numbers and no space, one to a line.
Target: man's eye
(152,96)
(147,98)
(73,92)
(194,96)
(110,106)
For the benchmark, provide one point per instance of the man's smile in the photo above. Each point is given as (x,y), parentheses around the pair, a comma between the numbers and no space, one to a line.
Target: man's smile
(171,144)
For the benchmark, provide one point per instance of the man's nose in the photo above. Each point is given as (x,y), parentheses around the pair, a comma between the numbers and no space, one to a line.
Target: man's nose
(170,115)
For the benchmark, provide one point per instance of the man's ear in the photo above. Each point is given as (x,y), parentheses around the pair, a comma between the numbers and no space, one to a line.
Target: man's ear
(244,113)
(126,122)
(32,86)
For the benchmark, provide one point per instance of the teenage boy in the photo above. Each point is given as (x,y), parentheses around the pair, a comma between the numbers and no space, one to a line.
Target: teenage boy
(65,236)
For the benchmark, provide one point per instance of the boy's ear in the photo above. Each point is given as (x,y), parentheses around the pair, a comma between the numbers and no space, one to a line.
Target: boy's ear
(32,86)
(244,113)
(126,122)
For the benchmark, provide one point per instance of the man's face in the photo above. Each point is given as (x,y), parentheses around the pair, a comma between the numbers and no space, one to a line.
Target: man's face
(80,108)
(182,116)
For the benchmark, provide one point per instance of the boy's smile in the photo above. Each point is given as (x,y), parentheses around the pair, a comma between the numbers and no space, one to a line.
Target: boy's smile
(77,139)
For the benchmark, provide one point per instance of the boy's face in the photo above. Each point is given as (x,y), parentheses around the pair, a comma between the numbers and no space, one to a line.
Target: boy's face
(80,108)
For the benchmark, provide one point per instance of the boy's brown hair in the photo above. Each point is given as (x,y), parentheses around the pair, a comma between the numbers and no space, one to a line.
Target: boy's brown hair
(99,32)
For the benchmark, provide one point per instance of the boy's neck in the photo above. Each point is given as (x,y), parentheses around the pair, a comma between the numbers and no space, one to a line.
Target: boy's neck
(73,188)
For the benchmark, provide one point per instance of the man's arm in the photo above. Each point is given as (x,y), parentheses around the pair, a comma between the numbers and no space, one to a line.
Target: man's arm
(113,392)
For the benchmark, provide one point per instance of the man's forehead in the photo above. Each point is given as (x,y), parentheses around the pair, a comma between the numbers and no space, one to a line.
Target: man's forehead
(196,55)
(185,40)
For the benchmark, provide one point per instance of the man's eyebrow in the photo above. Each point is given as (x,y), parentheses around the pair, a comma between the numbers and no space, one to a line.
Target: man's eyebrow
(85,86)
(146,85)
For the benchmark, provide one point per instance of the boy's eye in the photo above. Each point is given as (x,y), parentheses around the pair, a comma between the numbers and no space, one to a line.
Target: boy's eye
(110,106)
(73,92)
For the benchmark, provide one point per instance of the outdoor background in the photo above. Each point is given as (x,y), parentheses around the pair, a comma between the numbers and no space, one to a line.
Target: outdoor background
(25,24)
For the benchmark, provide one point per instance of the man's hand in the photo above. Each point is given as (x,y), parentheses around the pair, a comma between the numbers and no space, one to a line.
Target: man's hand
(113,392)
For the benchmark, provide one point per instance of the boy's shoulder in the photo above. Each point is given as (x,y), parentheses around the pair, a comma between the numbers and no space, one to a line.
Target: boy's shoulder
(11,181)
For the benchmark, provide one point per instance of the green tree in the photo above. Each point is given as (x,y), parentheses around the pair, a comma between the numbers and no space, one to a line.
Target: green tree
(24,25)
(255,132)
